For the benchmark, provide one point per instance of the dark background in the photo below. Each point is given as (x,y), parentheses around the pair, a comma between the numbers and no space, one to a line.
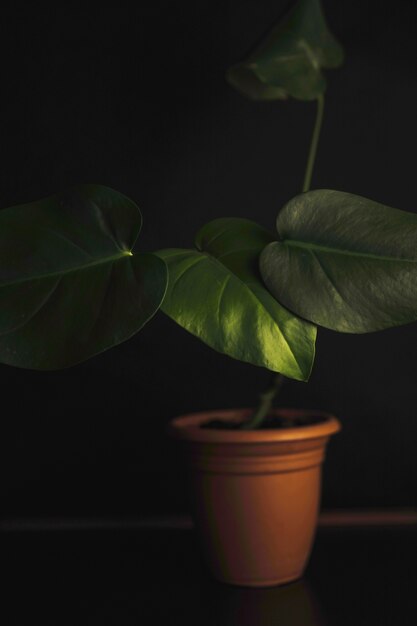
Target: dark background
(135,98)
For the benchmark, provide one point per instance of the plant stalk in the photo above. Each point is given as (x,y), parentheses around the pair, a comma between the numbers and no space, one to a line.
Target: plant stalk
(267,397)
(265,403)
(314,143)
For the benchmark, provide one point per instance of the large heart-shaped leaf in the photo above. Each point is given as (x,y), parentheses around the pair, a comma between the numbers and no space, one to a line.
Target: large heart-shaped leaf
(344,262)
(290,60)
(70,286)
(216,293)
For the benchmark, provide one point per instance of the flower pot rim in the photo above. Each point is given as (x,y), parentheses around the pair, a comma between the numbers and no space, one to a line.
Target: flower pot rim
(187,427)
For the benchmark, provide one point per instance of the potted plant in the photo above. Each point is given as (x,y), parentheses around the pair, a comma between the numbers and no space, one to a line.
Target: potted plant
(73,284)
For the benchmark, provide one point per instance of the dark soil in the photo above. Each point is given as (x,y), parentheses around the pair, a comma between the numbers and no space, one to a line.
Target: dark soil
(271,422)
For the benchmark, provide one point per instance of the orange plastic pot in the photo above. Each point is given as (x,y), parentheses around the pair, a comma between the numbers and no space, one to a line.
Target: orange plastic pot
(255,494)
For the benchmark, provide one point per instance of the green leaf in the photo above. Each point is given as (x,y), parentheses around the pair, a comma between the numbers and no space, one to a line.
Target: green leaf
(216,293)
(70,286)
(344,262)
(289,61)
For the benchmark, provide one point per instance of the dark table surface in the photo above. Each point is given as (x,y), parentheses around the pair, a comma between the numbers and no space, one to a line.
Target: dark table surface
(156,576)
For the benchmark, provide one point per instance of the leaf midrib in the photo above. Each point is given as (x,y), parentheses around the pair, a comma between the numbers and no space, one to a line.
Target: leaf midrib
(319,247)
(103,261)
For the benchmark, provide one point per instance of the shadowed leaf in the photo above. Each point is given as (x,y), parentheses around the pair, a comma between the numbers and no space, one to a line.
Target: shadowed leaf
(70,286)
(290,60)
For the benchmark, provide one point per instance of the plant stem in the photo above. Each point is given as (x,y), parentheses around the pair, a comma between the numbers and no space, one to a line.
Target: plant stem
(314,143)
(267,397)
(265,403)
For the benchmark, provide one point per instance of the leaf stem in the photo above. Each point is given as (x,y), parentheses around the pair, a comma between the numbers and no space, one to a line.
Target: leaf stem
(265,403)
(314,143)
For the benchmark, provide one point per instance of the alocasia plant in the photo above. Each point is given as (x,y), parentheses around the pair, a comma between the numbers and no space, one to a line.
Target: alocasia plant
(72,283)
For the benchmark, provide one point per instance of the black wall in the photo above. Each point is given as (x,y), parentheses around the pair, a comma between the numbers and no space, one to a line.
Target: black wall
(135,98)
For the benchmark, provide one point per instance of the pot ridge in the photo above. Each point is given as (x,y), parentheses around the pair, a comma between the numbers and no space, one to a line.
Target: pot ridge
(188,427)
